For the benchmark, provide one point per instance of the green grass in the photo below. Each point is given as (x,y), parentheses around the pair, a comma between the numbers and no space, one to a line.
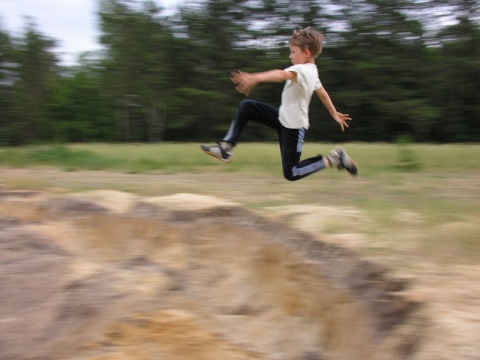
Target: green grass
(424,194)
(59,156)
(179,157)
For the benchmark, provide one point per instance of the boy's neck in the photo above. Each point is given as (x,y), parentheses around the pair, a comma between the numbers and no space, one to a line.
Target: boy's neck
(310,61)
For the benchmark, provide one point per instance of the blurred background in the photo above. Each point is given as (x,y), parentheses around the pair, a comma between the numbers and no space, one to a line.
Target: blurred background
(408,68)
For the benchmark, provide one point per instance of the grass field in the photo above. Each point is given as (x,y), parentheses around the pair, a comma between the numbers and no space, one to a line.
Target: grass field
(413,208)
(423,198)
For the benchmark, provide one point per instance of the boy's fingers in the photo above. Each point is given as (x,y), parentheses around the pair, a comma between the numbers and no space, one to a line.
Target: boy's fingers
(235,77)
(242,89)
(241,85)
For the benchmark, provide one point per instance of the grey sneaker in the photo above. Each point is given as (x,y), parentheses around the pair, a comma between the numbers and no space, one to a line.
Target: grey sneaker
(218,152)
(338,157)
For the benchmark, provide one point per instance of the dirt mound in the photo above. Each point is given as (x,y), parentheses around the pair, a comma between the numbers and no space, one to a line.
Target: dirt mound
(108,275)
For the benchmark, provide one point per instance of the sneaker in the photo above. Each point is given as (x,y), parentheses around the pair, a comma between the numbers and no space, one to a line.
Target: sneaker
(338,157)
(218,152)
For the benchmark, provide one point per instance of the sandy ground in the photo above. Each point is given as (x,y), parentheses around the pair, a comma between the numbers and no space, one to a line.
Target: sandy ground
(446,325)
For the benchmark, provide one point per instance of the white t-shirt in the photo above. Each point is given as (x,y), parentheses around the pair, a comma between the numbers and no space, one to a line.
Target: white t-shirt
(297,94)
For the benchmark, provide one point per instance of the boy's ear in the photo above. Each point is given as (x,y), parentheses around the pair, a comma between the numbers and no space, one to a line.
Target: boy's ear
(307,52)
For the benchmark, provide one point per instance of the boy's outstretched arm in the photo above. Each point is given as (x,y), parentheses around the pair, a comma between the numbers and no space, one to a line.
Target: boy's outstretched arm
(245,82)
(340,118)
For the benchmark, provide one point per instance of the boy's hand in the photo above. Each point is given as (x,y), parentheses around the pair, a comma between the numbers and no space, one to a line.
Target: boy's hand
(244,82)
(342,119)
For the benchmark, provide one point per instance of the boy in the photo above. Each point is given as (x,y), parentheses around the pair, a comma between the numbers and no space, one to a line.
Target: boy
(291,119)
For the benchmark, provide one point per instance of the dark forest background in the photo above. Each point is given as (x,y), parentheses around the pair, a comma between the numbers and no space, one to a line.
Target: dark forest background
(402,69)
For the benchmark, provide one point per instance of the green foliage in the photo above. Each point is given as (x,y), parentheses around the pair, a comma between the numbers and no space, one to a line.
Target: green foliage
(165,78)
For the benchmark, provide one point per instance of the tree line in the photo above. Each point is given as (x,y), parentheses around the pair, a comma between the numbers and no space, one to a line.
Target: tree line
(407,68)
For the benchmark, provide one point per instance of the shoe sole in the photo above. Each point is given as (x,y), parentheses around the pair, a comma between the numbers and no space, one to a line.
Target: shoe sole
(356,169)
(354,165)
(341,167)
(229,160)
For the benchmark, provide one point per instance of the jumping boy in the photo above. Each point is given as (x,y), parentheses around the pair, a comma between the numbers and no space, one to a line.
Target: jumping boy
(291,120)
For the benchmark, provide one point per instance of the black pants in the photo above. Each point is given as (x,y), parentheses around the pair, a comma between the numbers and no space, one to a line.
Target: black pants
(290,140)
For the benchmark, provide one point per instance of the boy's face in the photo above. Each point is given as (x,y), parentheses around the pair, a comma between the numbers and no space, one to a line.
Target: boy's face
(297,56)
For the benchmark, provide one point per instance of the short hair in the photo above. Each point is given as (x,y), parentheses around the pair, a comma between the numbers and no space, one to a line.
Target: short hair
(307,38)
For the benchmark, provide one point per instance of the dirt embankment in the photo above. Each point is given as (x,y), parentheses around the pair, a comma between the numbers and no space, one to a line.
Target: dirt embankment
(108,275)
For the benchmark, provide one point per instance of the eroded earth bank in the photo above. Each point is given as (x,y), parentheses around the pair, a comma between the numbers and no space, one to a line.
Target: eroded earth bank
(109,275)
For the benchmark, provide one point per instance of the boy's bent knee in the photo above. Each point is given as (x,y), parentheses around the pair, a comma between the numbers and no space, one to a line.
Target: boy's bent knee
(289,176)
(246,103)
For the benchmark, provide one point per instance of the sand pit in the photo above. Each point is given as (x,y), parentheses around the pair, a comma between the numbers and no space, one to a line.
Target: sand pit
(109,275)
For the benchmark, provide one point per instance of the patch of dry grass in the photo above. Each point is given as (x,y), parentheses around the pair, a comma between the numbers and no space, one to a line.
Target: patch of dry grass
(430,207)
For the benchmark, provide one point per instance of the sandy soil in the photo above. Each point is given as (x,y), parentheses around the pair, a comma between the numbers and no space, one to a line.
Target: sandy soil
(185,283)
